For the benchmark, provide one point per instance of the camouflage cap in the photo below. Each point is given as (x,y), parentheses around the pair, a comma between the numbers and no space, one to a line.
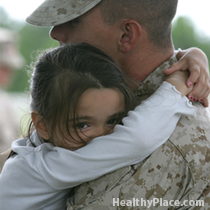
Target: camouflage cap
(56,12)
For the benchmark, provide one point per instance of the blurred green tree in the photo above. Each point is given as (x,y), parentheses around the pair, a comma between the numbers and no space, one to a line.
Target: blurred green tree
(186,34)
(32,41)
(7,22)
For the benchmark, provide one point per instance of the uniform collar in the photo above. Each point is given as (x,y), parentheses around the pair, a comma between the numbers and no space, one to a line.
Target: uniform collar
(153,80)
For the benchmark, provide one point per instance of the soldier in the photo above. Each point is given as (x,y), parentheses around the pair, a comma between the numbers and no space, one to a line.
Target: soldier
(10,60)
(138,36)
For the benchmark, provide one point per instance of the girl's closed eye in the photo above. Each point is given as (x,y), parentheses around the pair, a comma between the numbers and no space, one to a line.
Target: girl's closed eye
(116,119)
(113,121)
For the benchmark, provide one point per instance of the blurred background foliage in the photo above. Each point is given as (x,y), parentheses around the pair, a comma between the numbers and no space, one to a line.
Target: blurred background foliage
(33,39)
(186,34)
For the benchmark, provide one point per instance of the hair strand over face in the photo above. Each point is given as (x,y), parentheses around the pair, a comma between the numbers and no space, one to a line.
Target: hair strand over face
(63,74)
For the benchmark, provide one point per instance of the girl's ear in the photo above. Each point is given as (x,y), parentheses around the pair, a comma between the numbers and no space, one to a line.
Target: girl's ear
(40,125)
(131,32)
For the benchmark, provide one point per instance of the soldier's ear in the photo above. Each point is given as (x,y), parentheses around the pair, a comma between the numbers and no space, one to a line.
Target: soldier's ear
(131,31)
(40,125)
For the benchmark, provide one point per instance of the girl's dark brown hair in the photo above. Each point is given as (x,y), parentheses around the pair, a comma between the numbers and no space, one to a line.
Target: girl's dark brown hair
(60,77)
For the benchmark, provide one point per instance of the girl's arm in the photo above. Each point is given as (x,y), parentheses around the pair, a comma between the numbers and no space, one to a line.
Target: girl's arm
(194,60)
(142,133)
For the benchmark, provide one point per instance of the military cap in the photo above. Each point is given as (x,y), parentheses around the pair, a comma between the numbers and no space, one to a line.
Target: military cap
(56,12)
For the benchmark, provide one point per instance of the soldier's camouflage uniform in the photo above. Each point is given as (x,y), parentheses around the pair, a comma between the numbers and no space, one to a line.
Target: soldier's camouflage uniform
(178,170)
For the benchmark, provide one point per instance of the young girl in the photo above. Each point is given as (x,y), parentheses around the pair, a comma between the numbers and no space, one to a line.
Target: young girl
(78,93)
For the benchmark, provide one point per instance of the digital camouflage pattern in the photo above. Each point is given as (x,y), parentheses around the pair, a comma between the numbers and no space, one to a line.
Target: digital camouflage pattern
(178,170)
(56,12)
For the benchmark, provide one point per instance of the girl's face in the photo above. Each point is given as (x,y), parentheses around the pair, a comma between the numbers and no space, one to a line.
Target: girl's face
(98,111)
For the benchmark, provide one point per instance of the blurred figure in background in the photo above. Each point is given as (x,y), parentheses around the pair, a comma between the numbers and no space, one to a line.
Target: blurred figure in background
(10,61)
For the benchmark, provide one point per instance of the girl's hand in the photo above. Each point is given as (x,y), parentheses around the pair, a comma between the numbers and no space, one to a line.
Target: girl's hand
(179,79)
(196,62)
